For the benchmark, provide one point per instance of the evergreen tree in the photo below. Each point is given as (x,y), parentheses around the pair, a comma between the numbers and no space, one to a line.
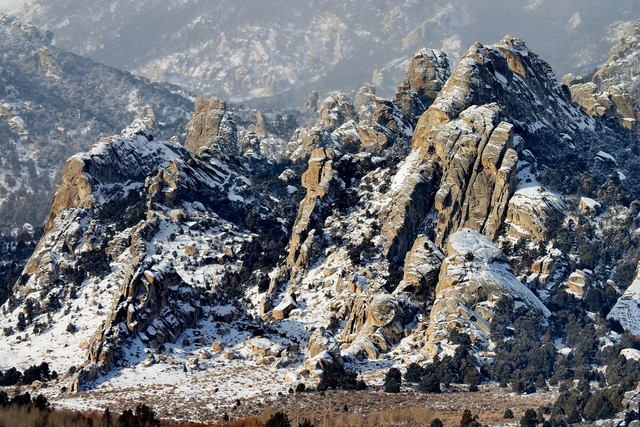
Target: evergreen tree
(530,419)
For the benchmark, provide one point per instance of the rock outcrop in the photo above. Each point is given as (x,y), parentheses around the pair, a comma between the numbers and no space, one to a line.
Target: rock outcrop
(621,68)
(212,128)
(421,270)
(473,277)
(336,110)
(627,309)
(374,325)
(427,74)
(322,183)
(152,302)
(614,102)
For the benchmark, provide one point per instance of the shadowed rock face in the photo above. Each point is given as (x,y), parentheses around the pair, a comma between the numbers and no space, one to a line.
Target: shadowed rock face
(152,301)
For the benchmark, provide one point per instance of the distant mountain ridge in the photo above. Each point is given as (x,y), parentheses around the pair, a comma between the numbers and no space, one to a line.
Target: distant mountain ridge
(242,50)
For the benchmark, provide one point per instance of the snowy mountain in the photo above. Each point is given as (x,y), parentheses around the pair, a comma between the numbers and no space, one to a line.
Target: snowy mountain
(480,225)
(54,104)
(240,50)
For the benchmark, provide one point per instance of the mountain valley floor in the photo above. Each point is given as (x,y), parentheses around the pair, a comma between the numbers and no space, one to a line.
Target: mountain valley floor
(333,407)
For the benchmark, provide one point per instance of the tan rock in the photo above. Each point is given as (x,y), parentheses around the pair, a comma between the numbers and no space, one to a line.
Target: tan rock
(320,180)
(178,215)
(421,269)
(312,102)
(473,277)
(282,310)
(428,72)
(336,110)
(580,281)
(212,127)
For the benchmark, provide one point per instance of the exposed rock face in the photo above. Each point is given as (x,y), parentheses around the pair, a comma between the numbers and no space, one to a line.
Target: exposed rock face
(304,141)
(322,182)
(528,212)
(579,282)
(627,309)
(427,74)
(622,66)
(613,91)
(152,302)
(212,127)
(473,277)
(614,102)
(480,178)
(374,325)
(421,269)
(336,110)
(312,102)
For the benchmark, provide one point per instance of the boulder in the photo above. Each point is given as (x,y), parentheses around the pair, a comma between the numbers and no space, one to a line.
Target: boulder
(282,310)
(579,282)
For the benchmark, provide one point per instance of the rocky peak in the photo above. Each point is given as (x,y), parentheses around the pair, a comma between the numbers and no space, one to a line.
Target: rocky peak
(613,91)
(212,128)
(622,66)
(335,110)
(509,74)
(427,74)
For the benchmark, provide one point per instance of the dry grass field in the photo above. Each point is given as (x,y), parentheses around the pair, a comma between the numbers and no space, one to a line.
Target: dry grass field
(336,408)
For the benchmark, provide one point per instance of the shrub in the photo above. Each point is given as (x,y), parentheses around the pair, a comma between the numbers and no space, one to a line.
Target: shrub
(21,399)
(530,419)
(436,423)
(334,376)
(598,408)
(279,419)
(508,414)
(36,373)
(429,384)
(468,420)
(414,373)
(392,386)
(11,377)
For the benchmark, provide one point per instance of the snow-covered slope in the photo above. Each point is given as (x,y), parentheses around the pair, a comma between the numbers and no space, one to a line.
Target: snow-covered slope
(54,104)
(627,309)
